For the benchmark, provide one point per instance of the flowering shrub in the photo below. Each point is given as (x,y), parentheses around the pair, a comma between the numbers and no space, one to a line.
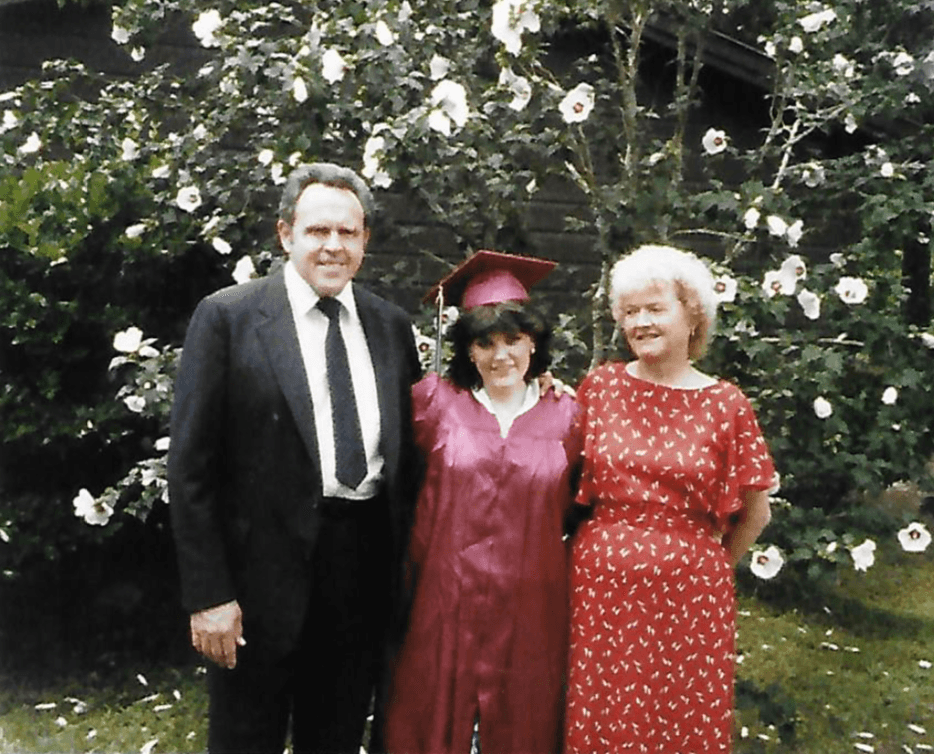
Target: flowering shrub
(814,246)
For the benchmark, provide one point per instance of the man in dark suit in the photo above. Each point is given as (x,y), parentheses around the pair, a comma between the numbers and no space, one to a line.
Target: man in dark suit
(290,510)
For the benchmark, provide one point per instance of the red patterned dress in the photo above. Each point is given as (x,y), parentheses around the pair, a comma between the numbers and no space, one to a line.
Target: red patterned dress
(652,603)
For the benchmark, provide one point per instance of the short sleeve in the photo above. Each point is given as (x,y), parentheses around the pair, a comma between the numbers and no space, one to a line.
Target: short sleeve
(747,461)
(426,410)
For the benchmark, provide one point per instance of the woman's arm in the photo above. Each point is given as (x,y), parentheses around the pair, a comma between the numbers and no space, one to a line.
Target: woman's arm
(754,517)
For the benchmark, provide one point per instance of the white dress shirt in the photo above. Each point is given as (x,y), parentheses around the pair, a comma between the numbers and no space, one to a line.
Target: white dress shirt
(312,326)
(532,394)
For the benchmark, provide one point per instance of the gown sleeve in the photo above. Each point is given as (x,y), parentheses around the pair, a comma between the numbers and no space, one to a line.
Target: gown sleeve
(747,463)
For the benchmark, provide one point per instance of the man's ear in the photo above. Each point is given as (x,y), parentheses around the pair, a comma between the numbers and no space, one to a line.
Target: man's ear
(366,237)
(284,231)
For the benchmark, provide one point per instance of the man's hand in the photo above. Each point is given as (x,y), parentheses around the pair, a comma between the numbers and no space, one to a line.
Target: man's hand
(217,632)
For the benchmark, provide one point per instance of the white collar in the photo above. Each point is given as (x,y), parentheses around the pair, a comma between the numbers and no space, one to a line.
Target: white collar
(305,298)
(529,399)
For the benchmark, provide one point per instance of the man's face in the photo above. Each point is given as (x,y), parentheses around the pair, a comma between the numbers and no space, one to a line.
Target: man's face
(328,239)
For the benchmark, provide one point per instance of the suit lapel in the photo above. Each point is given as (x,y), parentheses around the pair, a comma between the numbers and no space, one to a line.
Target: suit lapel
(280,341)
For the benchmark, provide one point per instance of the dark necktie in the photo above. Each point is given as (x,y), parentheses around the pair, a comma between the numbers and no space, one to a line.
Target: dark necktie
(350,456)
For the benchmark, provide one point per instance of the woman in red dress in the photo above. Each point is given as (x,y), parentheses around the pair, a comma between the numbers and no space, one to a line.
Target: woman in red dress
(678,474)
(487,636)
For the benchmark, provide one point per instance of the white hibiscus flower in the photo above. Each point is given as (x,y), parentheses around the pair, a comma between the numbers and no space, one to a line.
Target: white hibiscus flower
(333,66)
(851,290)
(903,64)
(714,141)
(822,407)
(767,563)
(299,89)
(221,246)
(510,19)
(519,86)
(776,225)
(372,170)
(439,67)
(751,218)
(795,266)
(814,21)
(188,198)
(96,513)
(129,340)
(914,538)
(384,34)
(794,233)
(810,304)
(864,555)
(32,144)
(779,281)
(129,149)
(244,270)
(136,403)
(449,106)
(724,289)
(577,104)
(206,26)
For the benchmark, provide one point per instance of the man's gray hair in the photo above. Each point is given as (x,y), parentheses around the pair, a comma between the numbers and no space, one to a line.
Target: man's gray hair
(328,174)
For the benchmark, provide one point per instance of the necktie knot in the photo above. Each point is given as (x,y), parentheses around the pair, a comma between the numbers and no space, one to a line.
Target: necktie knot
(330,306)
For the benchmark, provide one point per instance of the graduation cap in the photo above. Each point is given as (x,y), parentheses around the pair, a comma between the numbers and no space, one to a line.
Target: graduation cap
(489,277)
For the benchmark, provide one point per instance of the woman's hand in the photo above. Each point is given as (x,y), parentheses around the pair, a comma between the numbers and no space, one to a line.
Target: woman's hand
(754,517)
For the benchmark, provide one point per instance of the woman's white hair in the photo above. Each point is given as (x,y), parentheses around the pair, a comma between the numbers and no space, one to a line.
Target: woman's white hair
(651,265)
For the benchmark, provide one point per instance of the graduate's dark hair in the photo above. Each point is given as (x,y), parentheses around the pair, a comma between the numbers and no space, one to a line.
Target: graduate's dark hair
(481,322)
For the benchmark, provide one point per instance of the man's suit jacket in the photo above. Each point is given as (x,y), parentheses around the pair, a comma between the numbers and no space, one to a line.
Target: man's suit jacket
(244,478)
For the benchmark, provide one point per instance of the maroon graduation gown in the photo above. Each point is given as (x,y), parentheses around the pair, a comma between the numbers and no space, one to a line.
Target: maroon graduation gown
(488,630)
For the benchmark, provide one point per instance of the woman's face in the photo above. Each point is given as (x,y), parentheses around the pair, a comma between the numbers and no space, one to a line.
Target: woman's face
(502,360)
(656,324)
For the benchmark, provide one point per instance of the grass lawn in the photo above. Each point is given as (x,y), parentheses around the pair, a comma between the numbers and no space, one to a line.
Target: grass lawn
(856,666)
(852,672)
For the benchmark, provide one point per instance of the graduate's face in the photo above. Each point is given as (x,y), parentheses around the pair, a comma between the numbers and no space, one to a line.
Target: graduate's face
(502,360)
(327,240)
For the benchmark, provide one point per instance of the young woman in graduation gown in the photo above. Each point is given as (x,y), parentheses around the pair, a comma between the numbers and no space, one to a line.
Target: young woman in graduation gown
(482,665)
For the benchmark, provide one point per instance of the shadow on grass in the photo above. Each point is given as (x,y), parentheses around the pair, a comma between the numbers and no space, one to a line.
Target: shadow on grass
(871,606)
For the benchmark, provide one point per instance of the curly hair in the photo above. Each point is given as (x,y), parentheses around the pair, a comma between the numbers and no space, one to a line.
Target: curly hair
(481,322)
(690,276)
